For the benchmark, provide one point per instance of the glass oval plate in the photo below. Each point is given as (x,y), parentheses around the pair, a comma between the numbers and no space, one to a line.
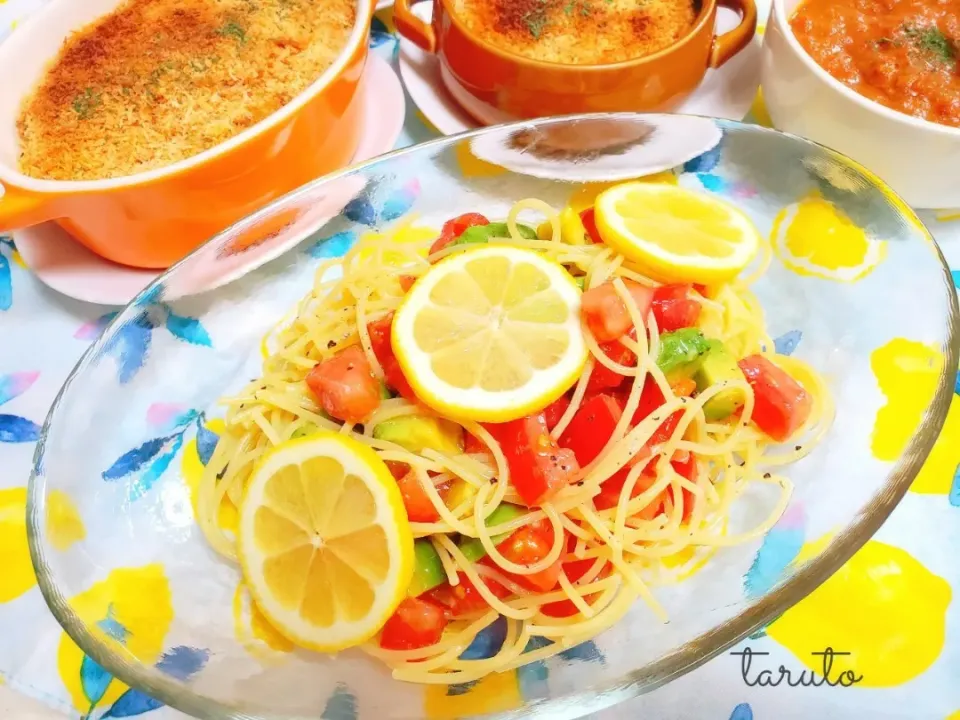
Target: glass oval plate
(127,436)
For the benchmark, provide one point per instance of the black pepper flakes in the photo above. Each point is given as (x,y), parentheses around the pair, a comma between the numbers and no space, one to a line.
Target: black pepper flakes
(766,476)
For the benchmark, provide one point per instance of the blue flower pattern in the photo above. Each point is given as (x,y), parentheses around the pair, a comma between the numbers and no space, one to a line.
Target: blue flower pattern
(130,345)
(14,428)
(145,464)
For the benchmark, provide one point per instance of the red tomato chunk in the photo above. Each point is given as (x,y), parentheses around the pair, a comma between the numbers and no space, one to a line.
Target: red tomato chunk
(674,309)
(416,623)
(605,313)
(538,467)
(526,546)
(591,428)
(452,229)
(345,386)
(781,404)
(587,217)
(380,332)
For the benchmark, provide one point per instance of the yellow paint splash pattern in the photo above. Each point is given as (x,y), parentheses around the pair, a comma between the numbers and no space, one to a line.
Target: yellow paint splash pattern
(759,110)
(426,123)
(258,637)
(586,194)
(473,167)
(403,234)
(816,239)
(386,17)
(136,604)
(495,693)
(16,576)
(883,607)
(907,372)
(64,525)
(191,469)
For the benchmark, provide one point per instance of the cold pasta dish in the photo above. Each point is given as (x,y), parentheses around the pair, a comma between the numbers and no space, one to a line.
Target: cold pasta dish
(474,448)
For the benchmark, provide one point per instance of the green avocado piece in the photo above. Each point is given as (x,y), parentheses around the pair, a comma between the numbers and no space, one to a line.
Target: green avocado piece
(505,512)
(483,233)
(416,433)
(681,352)
(428,571)
(716,366)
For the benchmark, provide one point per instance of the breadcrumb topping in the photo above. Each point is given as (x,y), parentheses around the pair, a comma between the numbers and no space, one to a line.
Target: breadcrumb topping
(159,81)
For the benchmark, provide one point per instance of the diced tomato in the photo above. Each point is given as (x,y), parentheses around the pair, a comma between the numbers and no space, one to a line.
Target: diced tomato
(651,398)
(611,488)
(591,428)
(555,410)
(416,623)
(465,599)
(406,282)
(574,570)
(674,309)
(602,377)
(472,446)
(526,546)
(663,433)
(345,385)
(781,404)
(397,469)
(416,502)
(702,289)
(539,468)
(685,464)
(605,313)
(452,229)
(587,217)
(380,332)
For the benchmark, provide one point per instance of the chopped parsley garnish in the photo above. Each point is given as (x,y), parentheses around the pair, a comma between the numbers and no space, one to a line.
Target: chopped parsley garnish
(231,28)
(932,43)
(85,103)
(535,21)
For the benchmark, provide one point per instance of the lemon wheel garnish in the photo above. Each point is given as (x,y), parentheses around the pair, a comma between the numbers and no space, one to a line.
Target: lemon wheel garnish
(324,541)
(675,233)
(491,334)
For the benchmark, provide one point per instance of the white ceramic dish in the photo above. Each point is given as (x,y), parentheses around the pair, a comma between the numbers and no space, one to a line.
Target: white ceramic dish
(63,264)
(919,159)
(725,93)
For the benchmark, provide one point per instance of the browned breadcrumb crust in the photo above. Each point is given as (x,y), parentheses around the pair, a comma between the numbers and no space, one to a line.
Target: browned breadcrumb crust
(580,32)
(159,81)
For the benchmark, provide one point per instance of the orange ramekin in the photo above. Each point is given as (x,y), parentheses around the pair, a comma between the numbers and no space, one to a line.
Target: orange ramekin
(153,219)
(494,85)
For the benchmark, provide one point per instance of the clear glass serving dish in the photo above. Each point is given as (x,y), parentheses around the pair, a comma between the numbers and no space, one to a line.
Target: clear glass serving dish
(855,277)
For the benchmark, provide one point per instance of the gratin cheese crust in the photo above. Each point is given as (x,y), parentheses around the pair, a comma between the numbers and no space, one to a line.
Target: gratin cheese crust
(579,32)
(159,81)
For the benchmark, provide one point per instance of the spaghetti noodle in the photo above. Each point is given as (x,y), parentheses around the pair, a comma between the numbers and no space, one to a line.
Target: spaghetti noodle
(678,467)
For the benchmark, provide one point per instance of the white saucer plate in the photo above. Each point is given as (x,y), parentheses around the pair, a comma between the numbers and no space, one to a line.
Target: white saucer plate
(727,92)
(64,265)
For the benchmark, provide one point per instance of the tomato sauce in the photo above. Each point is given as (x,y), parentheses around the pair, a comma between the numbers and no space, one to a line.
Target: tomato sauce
(901,53)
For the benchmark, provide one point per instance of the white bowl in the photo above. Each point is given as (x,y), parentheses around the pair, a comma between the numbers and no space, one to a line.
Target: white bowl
(919,159)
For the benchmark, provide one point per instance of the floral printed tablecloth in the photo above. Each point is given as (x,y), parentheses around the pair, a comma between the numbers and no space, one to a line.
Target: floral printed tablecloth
(891,607)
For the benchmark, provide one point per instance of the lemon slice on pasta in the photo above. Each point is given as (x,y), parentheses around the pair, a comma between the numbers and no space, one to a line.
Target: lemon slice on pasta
(324,542)
(676,234)
(491,334)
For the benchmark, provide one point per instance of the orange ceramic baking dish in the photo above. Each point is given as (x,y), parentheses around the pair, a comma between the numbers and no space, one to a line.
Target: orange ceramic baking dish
(494,85)
(155,218)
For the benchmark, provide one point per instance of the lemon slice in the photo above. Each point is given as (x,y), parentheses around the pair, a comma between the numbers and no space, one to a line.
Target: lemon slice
(675,233)
(491,334)
(324,541)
